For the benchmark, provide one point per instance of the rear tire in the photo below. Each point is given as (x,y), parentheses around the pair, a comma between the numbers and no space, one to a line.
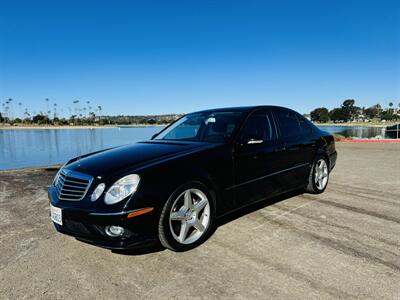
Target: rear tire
(319,176)
(187,219)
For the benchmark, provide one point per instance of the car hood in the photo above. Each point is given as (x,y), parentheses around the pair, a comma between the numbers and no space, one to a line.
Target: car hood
(106,162)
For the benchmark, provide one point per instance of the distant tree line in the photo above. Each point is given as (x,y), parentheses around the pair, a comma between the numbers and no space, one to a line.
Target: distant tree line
(79,113)
(41,119)
(85,113)
(349,112)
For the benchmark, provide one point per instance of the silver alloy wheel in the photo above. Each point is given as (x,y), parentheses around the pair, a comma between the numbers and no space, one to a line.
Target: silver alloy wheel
(321,174)
(189,217)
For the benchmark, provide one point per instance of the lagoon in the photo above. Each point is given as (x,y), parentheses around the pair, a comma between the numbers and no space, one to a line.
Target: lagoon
(21,148)
(357,132)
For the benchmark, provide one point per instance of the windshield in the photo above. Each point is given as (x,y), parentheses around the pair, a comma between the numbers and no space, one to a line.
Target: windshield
(207,127)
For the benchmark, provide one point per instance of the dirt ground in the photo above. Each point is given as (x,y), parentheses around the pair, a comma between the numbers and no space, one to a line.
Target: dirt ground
(344,243)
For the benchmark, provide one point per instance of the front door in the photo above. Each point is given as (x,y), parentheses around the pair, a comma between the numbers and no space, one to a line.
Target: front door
(258,159)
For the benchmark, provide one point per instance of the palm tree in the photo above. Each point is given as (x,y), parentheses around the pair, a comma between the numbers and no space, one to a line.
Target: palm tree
(391,105)
(75,108)
(99,109)
(88,106)
(27,114)
(20,111)
(55,110)
(10,108)
(4,109)
(47,107)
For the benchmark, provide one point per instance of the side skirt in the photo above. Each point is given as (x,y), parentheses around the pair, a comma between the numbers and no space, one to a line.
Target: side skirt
(260,200)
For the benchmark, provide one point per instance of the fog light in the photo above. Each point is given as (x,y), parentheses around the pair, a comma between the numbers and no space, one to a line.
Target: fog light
(114,231)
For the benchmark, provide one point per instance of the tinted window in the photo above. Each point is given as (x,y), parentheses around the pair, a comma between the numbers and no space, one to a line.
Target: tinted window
(209,126)
(257,126)
(289,124)
(305,127)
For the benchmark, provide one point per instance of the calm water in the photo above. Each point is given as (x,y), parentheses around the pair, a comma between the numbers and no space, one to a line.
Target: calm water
(28,148)
(356,131)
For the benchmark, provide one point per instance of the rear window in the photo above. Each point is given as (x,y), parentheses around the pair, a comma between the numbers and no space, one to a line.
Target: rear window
(289,124)
(304,125)
(258,125)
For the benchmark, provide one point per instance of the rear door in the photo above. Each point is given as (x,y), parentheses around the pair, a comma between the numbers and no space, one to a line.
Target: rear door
(296,144)
(309,140)
(257,158)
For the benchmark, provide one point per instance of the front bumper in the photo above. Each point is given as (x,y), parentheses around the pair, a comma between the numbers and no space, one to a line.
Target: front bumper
(89,226)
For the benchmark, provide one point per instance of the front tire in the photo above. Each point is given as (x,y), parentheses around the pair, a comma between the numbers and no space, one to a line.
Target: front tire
(187,219)
(319,176)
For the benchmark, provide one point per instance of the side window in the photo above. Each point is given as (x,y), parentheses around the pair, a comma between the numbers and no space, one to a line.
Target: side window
(289,124)
(305,127)
(257,126)
(221,128)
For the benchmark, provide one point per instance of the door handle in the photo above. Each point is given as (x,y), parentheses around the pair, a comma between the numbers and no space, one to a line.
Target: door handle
(252,142)
(310,143)
(295,148)
(280,149)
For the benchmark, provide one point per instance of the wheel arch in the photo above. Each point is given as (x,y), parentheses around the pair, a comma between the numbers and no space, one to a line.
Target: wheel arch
(322,153)
(206,180)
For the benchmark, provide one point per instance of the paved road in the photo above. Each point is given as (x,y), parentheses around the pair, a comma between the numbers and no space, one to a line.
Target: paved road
(342,244)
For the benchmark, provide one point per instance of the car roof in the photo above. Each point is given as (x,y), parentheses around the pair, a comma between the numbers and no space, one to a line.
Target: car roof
(245,109)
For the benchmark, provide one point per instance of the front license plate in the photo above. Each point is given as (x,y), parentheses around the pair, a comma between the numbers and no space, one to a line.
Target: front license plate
(56,214)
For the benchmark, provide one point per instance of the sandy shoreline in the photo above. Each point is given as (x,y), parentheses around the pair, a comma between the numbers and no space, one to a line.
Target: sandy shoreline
(79,127)
(35,168)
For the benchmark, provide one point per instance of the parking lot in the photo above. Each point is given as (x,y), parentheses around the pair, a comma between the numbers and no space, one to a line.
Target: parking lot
(344,243)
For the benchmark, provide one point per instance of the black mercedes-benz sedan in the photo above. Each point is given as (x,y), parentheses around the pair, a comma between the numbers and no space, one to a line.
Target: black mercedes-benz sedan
(173,187)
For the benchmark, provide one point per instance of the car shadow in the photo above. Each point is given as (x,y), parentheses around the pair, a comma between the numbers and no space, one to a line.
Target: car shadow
(157,247)
(142,250)
(256,206)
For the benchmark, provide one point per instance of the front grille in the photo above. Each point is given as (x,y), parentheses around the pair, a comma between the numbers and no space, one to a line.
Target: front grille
(71,185)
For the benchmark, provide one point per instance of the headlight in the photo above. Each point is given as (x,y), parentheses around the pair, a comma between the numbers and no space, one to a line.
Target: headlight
(97,192)
(121,189)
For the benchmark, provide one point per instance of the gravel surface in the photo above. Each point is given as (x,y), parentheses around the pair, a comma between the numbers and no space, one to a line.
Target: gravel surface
(344,243)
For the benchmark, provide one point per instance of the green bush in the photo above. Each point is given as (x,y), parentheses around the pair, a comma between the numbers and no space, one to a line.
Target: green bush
(339,137)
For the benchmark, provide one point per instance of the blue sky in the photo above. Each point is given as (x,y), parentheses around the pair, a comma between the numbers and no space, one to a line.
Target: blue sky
(151,57)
